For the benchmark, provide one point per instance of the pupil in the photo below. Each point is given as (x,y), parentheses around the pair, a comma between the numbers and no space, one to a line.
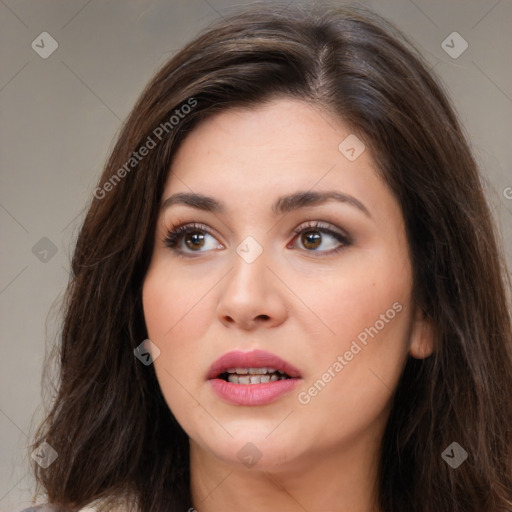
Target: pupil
(193,239)
(311,239)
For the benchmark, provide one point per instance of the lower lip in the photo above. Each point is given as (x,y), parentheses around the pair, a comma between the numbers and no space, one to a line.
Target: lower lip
(252,394)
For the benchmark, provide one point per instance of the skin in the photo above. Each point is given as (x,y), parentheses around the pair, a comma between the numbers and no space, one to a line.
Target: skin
(295,300)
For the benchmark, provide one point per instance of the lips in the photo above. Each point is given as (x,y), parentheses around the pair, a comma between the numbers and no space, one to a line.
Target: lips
(234,378)
(253,359)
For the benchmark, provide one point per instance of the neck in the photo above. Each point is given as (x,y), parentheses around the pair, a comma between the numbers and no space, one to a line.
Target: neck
(338,481)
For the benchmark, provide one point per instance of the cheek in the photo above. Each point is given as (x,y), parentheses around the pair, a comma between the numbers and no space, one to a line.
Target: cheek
(349,388)
(360,345)
(176,320)
(351,391)
(173,305)
(354,297)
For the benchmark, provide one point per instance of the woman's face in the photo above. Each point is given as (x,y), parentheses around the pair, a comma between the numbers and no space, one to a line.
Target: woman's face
(321,285)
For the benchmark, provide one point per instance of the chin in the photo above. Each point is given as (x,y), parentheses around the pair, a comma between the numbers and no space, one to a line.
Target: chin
(254,449)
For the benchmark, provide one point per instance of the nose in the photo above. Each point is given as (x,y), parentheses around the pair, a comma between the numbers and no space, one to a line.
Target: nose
(252,296)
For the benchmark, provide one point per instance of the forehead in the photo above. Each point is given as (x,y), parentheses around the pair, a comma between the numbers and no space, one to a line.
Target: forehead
(262,153)
(280,128)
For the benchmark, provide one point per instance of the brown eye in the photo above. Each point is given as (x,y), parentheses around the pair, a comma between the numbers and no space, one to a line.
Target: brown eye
(194,240)
(190,239)
(314,237)
(311,239)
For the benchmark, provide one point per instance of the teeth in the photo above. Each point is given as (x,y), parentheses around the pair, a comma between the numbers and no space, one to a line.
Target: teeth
(253,379)
(252,371)
(257,371)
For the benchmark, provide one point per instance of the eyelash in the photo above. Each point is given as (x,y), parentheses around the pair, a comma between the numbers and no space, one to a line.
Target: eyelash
(175,235)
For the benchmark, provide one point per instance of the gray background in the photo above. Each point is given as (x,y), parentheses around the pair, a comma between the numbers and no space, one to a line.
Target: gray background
(60,115)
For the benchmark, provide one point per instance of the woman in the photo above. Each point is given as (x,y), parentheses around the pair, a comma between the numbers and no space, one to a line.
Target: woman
(287,291)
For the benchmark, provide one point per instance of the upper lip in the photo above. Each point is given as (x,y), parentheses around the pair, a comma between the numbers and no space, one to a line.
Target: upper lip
(252,359)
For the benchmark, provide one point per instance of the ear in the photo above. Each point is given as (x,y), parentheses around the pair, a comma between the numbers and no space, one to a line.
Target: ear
(422,336)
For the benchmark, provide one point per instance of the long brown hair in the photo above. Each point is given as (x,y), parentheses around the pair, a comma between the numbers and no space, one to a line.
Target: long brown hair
(109,423)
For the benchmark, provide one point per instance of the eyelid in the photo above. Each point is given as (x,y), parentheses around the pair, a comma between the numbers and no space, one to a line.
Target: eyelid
(178,230)
(343,238)
(323,226)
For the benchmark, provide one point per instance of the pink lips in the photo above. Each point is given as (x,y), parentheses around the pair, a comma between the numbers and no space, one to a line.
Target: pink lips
(251,394)
(253,359)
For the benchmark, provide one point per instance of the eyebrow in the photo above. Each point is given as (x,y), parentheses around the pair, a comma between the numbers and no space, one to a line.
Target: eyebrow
(283,204)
